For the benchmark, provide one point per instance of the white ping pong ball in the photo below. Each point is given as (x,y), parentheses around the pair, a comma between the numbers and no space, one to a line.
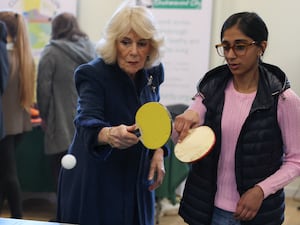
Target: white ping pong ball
(68,161)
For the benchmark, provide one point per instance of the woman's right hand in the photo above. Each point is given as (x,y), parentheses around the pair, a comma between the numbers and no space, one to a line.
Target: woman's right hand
(184,122)
(120,137)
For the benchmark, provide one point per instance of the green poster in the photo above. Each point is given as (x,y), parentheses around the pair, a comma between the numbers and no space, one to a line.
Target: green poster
(177,4)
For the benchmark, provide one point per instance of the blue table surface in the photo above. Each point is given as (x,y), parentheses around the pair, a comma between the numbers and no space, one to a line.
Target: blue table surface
(7,221)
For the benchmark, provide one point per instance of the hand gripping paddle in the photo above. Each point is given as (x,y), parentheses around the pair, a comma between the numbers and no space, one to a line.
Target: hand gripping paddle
(154,125)
(195,145)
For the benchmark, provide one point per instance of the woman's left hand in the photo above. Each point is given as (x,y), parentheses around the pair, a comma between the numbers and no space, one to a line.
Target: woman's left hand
(249,204)
(157,169)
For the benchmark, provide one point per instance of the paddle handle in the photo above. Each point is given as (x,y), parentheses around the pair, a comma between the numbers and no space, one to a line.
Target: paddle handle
(137,132)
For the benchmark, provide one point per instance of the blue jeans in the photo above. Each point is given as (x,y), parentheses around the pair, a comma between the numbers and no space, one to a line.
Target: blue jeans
(222,217)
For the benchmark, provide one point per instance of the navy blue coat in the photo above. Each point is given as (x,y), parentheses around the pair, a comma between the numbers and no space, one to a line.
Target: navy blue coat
(108,186)
(3,70)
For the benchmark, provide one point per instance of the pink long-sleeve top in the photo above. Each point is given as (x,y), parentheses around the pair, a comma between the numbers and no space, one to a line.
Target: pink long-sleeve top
(236,109)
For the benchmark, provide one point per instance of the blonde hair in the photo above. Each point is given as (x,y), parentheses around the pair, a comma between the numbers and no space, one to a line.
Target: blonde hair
(21,60)
(129,17)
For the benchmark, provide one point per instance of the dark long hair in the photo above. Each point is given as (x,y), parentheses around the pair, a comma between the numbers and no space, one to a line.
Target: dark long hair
(249,23)
(65,26)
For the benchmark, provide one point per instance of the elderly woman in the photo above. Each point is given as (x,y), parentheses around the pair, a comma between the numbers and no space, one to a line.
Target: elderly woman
(115,175)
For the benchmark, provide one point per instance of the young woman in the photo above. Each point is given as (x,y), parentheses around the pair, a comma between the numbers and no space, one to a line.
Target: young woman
(17,99)
(255,116)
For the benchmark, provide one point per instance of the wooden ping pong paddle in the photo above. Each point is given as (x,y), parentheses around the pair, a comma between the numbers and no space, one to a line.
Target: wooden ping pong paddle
(154,125)
(195,145)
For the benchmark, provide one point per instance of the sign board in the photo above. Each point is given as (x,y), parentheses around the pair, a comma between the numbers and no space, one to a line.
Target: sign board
(186,25)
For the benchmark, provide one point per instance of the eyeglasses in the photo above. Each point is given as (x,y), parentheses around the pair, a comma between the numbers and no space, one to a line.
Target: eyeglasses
(239,49)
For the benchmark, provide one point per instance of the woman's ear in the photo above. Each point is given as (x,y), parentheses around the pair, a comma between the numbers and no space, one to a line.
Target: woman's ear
(263,46)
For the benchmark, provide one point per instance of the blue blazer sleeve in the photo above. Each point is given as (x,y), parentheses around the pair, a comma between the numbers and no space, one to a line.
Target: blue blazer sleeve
(89,119)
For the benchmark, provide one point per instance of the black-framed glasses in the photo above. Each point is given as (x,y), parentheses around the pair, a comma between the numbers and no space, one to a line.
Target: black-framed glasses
(239,49)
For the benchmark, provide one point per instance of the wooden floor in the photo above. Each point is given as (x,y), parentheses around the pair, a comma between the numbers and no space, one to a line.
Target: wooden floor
(43,209)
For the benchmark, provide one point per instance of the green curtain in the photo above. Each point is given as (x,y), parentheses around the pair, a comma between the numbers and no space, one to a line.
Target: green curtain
(32,163)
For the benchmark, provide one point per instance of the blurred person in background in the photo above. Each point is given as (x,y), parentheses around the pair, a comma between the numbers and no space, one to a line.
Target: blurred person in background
(18,97)
(69,47)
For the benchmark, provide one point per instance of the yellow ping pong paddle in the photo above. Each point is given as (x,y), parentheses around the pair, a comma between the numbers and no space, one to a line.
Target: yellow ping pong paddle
(195,145)
(154,125)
